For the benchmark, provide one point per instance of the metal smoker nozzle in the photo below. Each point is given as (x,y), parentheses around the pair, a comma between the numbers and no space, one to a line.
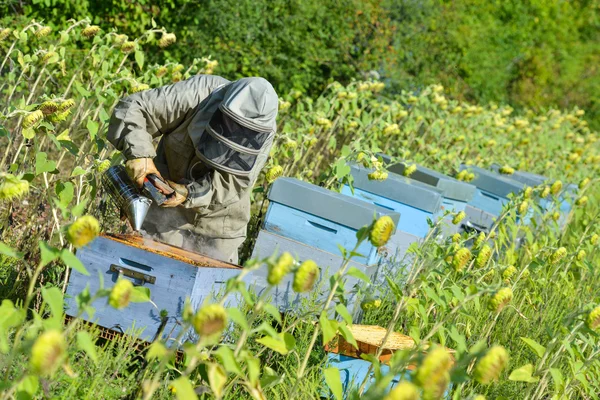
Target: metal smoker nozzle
(126,195)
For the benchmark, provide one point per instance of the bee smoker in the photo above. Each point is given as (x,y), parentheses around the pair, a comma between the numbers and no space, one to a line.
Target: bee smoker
(131,200)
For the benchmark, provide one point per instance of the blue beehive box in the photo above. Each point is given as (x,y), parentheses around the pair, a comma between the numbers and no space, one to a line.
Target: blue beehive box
(492,190)
(415,201)
(321,218)
(171,274)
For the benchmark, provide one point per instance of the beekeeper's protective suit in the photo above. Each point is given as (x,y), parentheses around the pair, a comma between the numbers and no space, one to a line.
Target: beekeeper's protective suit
(216,137)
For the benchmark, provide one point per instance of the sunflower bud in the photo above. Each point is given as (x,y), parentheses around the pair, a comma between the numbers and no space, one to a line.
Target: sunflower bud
(555,216)
(48,107)
(273,173)
(210,321)
(500,299)
(507,170)
(545,192)
(594,239)
(166,40)
(528,192)
(83,230)
(461,258)
(391,129)
(584,182)
(323,122)
(403,391)
(582,201)
(558,255)
(90,31)
(102,166)
(523,206)
(462,175)
(381,231)
(370,304)
(46,57)
(456,237)
(128,47)
(161,71)
(484,255)
(378,176)
(139,87)
(410,170)
(508,273)
(581,255)
(305,277)
(48,352)
(120,295)
(4,33)
(32,118)
(43,31)
(556,188)
(280,268)
(284,105)
(593,319)
(13,187)
(433,374)
(491,365)
(478,241)
(59,117)
(458,218)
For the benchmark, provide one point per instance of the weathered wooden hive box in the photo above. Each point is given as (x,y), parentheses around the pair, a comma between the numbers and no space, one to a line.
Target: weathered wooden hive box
(415,201)
(310,222)
(493,190)
(456,194)
(172,274)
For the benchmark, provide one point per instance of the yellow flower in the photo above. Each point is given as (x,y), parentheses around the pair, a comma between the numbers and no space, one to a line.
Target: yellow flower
(410,170)
(593,319)
(523,206)
(581,255)
(584,182)
(462,175)
(128,47)
(391,129)
(490,366)
(280,268)
(458,218)
(120,295)
(456,238)
(210,321)
(555,215)
(403,391)
(323,122)
(284,105)
(545,192)
(582,201)
(83,230)
(594,239)
(378,176)
(556,187)
(370,304)
(528,192)
(352,124)
(507,170)
(166,40)
(161,71)
(90,31)
(381,231)
(13,187)
(139,87)
(479,239)
(46,57)
(558,255)
(306,276)
(66,105)
(48,107)
(32,118)
(43,31)
(461,259)
(48,353)
(102,166)
(273,173)
(500,299)
(508,273)
(433,374)
(4,33)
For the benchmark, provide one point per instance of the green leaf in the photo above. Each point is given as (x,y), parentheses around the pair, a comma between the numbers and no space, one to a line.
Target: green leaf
(139,58)
(92,127)
(238,317)
(282,344)
(228,361)
(72,261)
(557,376)
(253,364)
(217,379)
(535,346)
(343,311)
(47,253)
(77,171)
(395,288)
(523,374)
(54,298)
(358,274)
(157,350)
(28,387)
(65,192)
(328,327)
(85,343)
(273,312)
(332,377)
(42,164)
(347,334)
(9,251)
(140,294)
(184,389)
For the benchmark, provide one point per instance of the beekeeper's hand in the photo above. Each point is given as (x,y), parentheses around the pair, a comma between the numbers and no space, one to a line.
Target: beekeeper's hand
(138,168)
(181,194)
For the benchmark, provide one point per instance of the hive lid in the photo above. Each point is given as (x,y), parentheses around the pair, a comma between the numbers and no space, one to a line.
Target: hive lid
(492,182)
(451,188)
(399,188)
(332,206)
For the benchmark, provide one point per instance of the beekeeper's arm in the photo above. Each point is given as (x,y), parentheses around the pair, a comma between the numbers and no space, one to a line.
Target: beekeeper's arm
(139,118)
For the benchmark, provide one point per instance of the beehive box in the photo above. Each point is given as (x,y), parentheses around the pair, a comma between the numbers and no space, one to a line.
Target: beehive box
(320,218)
(171,274)
(456,194)
(353,369)
(415,201)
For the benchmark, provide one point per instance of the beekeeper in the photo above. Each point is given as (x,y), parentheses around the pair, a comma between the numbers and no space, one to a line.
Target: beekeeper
(215,137)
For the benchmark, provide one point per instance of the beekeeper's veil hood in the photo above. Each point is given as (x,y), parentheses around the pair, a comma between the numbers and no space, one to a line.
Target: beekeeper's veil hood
(235,124)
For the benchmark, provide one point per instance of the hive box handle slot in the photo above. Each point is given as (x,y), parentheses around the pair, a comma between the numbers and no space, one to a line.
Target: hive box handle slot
(490,196)
(135,264)
(325,228)
(133,274)
(383,206)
